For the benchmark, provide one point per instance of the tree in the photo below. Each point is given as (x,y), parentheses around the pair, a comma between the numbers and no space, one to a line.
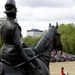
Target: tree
(68,37)
(31,41)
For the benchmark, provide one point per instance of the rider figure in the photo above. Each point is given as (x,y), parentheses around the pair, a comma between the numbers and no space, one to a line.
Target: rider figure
(10,31)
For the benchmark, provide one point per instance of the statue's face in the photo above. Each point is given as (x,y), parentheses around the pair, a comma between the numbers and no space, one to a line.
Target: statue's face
(12,13)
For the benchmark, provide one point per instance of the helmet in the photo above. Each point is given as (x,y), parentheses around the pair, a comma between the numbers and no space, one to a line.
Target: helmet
(10,6)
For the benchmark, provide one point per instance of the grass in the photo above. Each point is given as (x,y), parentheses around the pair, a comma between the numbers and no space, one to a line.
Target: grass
(55,68)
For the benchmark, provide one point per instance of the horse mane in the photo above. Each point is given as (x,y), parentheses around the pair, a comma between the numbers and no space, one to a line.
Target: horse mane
(45,41)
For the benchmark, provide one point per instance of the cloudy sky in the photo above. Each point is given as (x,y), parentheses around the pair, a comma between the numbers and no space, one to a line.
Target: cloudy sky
(39,13)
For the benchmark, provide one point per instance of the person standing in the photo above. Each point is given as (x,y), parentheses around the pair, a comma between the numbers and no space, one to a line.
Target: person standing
(62,71)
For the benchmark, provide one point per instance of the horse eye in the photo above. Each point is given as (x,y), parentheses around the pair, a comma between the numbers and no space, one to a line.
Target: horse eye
(58,34)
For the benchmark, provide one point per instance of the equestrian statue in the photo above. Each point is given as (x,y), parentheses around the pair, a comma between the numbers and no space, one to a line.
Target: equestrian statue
(19,59)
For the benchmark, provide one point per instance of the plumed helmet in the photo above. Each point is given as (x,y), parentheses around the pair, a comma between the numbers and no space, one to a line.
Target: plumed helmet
(10,6)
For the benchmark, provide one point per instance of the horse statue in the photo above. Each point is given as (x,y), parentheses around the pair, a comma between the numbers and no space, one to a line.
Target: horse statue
(50,41)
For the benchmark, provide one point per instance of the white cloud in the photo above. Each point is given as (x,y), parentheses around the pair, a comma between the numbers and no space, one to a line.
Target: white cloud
(39,13)
(46,14)
(46,3)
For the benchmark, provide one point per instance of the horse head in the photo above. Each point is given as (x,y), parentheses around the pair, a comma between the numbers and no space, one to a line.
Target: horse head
(57,45)
(51,40)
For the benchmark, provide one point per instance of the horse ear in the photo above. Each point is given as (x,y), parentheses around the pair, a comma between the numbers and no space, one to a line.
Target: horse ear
(49,25)
(56,25)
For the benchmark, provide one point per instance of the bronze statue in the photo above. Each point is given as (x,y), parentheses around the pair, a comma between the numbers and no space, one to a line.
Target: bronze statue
(19,59)
(12,49)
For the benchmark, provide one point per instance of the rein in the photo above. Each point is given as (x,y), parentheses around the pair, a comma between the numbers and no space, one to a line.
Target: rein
(5,61)
(29,61)
(43,56)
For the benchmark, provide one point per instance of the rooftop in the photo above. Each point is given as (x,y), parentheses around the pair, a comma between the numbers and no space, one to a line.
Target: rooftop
(36,30)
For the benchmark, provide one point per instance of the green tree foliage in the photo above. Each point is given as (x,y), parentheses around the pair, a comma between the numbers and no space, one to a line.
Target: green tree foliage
(68,37)
(31,41)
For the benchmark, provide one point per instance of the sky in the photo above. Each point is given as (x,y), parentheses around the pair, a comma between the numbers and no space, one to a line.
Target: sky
(39,13)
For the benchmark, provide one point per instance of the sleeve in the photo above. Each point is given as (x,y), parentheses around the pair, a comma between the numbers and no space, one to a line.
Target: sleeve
(17,42)
(16,34)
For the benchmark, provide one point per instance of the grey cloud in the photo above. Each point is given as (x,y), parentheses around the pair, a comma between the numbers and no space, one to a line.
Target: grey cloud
(46,3)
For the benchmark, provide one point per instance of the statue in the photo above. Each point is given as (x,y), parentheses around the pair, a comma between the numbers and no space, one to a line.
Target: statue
(19,59)
(12,48)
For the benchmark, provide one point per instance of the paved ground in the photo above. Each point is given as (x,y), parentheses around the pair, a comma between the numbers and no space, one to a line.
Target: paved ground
(55,68)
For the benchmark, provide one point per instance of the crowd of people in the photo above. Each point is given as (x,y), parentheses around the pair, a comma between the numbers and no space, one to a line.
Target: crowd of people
(61,56)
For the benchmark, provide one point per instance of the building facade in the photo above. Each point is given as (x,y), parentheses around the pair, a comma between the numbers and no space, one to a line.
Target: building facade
(34,32)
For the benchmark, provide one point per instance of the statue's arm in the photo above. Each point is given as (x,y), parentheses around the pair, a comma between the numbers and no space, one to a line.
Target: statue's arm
(17,42)
(16,35)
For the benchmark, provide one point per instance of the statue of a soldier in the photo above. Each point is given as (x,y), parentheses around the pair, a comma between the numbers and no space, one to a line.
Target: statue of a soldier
(10,31)
(12,49)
